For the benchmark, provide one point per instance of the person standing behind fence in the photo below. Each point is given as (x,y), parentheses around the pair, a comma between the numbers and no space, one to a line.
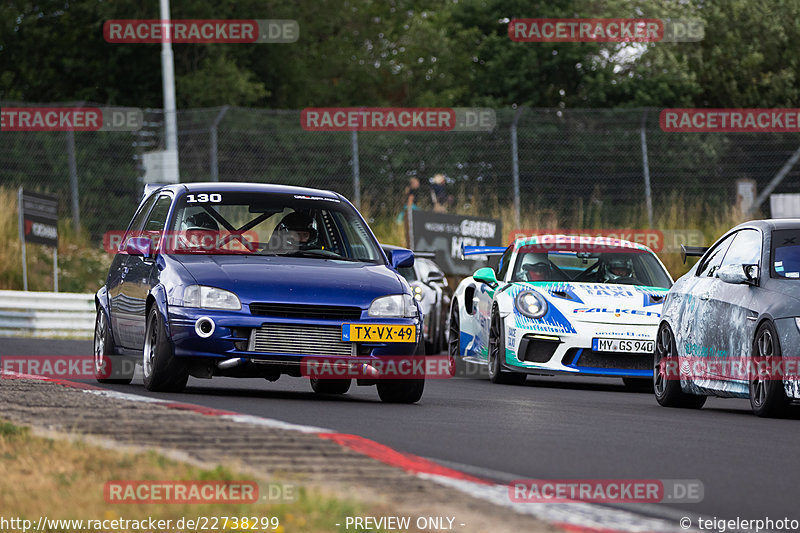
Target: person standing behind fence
(439,197)
(411,193)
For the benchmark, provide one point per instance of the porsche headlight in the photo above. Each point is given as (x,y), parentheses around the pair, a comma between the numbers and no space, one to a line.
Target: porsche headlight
(531,304)
(394,306)
(210,298)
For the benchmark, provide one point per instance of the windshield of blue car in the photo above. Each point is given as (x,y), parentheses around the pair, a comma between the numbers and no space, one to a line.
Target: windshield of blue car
(785,254)
(218,223)
(625,268)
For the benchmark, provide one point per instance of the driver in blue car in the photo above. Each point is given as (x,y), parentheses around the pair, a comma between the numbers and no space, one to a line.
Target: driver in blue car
(298,231)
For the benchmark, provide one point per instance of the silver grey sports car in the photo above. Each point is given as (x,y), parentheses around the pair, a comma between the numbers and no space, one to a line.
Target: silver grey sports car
(730,327)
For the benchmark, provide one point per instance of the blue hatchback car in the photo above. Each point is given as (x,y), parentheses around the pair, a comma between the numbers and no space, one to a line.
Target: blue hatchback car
(247,280)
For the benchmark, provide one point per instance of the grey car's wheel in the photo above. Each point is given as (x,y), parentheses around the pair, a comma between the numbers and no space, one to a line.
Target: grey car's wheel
(108,367)
(162,371)
(330,386)
(666,382)
(497,351)
(767,397)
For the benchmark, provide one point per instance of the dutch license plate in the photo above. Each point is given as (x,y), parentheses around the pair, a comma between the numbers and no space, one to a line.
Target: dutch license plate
(623,345)
(378,333)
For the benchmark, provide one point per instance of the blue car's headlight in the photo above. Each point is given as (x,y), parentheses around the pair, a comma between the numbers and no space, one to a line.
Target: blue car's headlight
(531,304)
(394,306)
(210,298)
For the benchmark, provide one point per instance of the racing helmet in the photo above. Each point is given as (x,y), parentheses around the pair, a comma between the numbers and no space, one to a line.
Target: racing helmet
(537,271)
(299,229)
(200,221)
(618,268)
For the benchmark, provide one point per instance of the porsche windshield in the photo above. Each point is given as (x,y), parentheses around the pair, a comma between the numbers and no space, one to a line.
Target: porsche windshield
(627,268)
(269,224)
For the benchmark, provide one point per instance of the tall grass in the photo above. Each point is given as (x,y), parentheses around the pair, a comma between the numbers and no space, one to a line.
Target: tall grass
(675,212)
(83,264)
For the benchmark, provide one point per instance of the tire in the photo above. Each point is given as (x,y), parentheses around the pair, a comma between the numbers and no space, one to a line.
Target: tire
(401,390)
(163,372)
(106,363)
(497,351)
(638,384)
(668,391)
(767,398)
(330,386)
(454,336)
(430,347)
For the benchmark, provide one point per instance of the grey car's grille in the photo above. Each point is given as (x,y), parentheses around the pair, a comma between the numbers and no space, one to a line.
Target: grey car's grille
(300,339)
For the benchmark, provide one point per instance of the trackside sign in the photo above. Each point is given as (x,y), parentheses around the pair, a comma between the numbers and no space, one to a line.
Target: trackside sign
(39,218)
(445,234)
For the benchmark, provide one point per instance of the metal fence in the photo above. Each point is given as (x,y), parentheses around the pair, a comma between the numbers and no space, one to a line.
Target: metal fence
(46,314)
(560,159)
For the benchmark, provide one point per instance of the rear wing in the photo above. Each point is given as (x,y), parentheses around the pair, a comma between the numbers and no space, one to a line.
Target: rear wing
(694,251)
(482,250)
(426,255)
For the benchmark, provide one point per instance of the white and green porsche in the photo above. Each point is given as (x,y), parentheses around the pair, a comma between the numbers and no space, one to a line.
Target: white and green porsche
(561,304)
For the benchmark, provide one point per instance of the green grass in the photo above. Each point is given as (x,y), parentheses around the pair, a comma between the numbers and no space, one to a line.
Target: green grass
(84,264)
(64,479)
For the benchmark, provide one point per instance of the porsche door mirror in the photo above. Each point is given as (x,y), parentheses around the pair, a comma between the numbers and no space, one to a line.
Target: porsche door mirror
(485,275)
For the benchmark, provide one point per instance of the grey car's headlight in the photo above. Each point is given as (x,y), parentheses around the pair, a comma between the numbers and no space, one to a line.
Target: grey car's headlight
(531,304)
(394,306)
(797,321)
(210,298)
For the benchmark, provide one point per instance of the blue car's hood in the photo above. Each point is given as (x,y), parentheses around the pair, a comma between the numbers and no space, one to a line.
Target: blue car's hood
(293,279)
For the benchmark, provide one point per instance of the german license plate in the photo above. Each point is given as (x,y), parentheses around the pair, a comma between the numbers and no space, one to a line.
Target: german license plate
(378,333)
(623,345)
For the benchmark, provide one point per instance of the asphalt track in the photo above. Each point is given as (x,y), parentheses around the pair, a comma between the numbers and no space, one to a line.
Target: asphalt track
(549,428)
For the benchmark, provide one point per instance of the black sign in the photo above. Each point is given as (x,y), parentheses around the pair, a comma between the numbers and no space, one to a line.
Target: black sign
(39,218)
(444,234)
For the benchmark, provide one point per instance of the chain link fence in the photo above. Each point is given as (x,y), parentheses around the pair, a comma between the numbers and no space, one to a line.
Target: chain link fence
(567,161)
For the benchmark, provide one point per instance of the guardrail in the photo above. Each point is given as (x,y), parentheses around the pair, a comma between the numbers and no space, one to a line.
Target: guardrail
(46,314)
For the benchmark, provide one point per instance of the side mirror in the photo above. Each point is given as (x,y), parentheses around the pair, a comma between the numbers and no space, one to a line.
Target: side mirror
(435,277)
(138,246)
(401,258)
(738,274)
(485,275)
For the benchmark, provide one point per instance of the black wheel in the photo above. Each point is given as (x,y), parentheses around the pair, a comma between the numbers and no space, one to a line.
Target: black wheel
(330,386)
(454,332)
(767,398)
(401,390)
(109,368)
(666,385)
(638,384)
(497,352)
(162,371)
